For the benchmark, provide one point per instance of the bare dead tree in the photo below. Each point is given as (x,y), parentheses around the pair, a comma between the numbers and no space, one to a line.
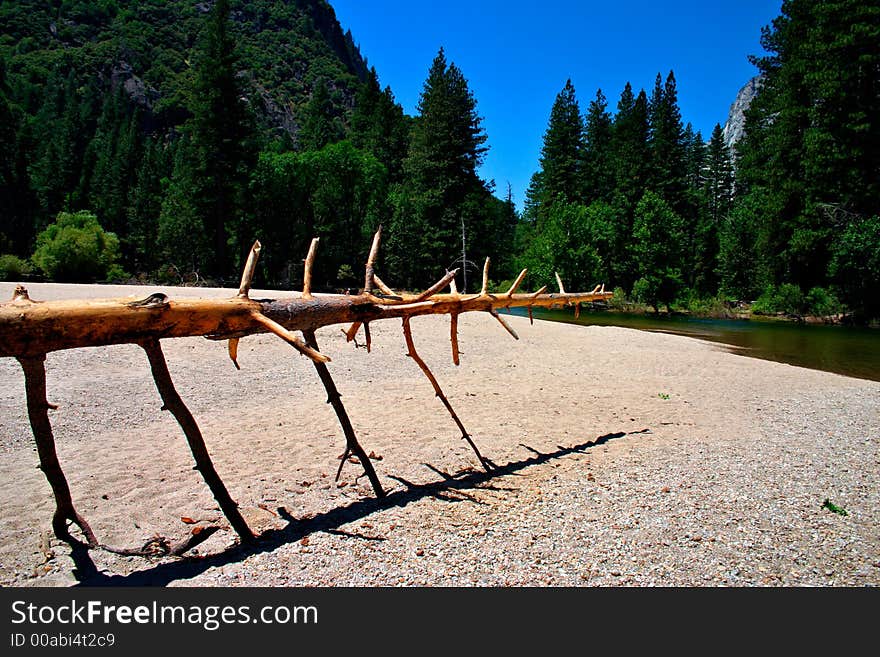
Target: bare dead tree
(31,329)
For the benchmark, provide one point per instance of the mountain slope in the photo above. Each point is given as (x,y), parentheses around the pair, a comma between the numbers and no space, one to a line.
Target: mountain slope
(285,49)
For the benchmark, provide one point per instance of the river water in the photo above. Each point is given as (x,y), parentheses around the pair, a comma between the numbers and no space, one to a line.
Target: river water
(842,349)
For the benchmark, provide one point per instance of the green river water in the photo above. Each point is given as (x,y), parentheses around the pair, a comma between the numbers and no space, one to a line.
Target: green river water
(842,349)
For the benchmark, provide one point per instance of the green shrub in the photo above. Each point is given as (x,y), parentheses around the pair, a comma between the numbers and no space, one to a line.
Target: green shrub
(790,299)
(717,306)
(787,299)
(855,266)
(766,303)
(822,303)
(13,268)
(642,291)
(77,249)
(620,301)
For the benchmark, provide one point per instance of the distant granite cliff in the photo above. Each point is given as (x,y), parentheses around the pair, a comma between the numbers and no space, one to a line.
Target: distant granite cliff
(735,125)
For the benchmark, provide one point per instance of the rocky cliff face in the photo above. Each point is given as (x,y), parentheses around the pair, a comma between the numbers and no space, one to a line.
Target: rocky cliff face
(735,125)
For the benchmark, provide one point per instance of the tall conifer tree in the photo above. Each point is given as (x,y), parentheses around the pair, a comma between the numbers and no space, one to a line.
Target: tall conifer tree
(378,125)
(223,139)
(320,127)
(811,152)
(716,201)
(598,174)
(718,176)
(562,152)
(10,230)
(436,203)
(630,142)
(667,143)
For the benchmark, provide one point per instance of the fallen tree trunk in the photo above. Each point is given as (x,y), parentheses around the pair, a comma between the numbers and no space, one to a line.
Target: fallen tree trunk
(30,329)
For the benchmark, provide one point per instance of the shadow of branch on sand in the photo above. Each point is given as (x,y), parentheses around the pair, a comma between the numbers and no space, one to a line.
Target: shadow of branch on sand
(330,521)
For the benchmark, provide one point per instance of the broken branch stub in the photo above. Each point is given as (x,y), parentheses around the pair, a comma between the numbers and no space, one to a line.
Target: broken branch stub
(29,330)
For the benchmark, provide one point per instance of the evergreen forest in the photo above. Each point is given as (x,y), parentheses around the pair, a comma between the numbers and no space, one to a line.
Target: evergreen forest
(155,141)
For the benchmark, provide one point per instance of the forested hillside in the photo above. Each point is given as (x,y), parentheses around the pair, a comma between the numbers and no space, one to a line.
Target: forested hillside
(123,108)
(157,140)
(176,133)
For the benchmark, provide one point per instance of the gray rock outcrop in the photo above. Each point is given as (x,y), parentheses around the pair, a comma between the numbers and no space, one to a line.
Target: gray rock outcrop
(734,128)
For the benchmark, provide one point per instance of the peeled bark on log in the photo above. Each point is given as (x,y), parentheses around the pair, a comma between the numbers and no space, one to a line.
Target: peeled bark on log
(29,328)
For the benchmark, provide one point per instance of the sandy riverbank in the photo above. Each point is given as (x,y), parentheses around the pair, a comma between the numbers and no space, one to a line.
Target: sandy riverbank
(627,458)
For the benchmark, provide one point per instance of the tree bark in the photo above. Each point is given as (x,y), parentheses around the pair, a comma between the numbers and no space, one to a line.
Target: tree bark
(29,328)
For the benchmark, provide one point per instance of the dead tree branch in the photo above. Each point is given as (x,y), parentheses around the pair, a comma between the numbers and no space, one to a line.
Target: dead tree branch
(38,412)
(172,402)
(335,399)
(438,391)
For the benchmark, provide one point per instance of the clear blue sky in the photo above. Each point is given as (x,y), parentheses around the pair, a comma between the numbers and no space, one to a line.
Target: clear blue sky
(516,56)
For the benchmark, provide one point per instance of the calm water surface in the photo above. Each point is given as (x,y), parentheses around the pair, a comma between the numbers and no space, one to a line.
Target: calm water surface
(841,349)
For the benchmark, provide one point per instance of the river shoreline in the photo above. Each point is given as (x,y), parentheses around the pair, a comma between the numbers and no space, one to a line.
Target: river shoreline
(840,319)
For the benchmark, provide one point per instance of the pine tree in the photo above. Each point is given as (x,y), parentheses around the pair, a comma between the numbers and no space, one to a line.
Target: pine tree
(741,265)
(502,241)
(717,199)
(110,163)
(319,127)
(22,201)
(718,176)
(812,139)
(60,135)
(598,174)
(145,207)
(433,207)
(694,211)
(534,199)
(562,151)
(223,142)
(448,137)
(183,238)
(630,146)
(667,143)
(10,237)
(629,141)
(694,158)
(378,125)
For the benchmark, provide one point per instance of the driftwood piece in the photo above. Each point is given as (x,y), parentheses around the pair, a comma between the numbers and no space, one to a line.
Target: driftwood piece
(31,329)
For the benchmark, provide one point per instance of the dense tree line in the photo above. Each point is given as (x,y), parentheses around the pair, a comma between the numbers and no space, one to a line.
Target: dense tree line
(635,199)
(153,115)
(790,219)
(809,167)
